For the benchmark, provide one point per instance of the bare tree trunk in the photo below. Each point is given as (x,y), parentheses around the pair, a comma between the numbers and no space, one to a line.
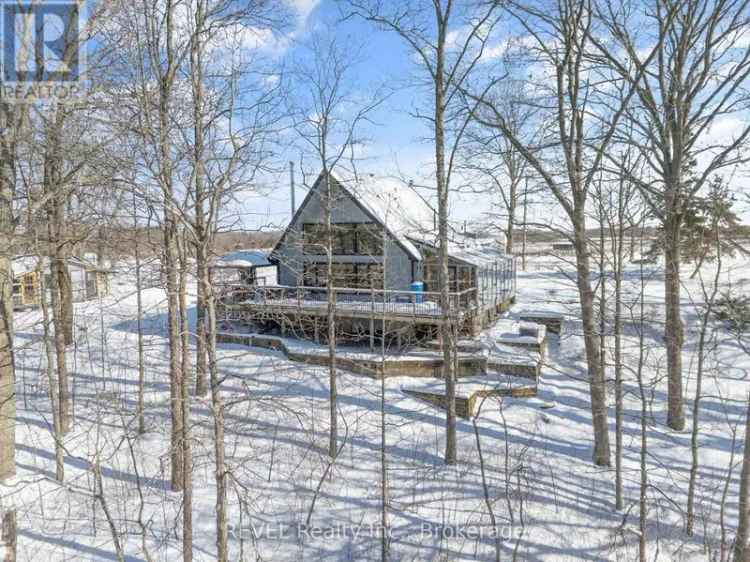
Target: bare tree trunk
(724,495)
(201,359)
(66,298)
(643,488)
(673,328)
(217,409)
(642,497)
(11,120)
(63,391)
(139,324)
(170,262)
(7,372)
(740,549)
(175,350)
(331,317)
(698,264)
(485,487)
(597,384)
(62,313)
(448,343)
(101,497)
(512,204)
(57,432)
(707,314)
(185,439)
(602,296)
(9,536)
(617,330)
(384,542)
(196,75)
(60,287)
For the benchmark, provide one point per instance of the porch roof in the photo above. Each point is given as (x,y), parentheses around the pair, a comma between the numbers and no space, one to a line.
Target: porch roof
(468,250)
(244,259)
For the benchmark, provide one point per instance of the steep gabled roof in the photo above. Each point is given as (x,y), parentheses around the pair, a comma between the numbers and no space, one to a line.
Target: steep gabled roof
(387,202)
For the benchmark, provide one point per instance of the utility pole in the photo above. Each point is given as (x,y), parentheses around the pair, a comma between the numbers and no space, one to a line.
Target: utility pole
(291,184)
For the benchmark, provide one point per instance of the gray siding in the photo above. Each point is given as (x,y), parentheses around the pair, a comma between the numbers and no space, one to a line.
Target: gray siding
(291,258)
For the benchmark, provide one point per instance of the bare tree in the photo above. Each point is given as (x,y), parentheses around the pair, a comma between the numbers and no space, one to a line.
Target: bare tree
(156,51)
(233,119)
(13,123)
(492,158)
(580,116)
(709,298)
(328,118)
(617,222)
(52,387)
(425,27)
(698,77)
(12,118)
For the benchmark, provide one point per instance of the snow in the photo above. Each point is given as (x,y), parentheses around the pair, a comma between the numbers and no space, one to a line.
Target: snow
(24,264)
(468,249)
(277,423)
(244,258)
(401,209)
(466,386)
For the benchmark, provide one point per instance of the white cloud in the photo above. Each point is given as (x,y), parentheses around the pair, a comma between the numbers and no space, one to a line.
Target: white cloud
(254,38)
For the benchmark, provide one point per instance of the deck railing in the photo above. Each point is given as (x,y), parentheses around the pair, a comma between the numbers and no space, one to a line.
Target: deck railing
(374,301)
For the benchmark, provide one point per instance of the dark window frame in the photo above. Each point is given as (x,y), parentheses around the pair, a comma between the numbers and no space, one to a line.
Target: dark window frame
(315,275)
(359,244)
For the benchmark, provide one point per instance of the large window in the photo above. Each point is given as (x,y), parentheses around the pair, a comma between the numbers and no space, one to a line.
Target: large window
(345,275)
(345,239)
(369,240)
(349,239)
(314,239)
(460,278)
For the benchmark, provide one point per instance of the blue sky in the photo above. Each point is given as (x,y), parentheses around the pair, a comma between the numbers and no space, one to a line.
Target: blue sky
(396,142)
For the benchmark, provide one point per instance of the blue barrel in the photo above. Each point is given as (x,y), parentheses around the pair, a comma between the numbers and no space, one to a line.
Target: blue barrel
(418,288)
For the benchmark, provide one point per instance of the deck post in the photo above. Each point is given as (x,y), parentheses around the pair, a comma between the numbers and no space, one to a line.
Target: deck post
(372,319)
(315,329)
(496,285)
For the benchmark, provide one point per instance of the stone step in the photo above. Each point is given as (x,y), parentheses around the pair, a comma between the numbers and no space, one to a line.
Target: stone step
(553,321)
(368,364)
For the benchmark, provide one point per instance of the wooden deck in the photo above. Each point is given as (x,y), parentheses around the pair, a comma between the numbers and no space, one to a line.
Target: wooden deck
(238,303)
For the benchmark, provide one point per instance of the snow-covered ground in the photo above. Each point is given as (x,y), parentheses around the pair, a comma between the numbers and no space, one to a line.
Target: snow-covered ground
(546,496)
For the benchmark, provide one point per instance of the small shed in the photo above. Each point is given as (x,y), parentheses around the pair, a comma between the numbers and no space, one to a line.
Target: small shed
(25,281)
(88,281)
(243,269)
